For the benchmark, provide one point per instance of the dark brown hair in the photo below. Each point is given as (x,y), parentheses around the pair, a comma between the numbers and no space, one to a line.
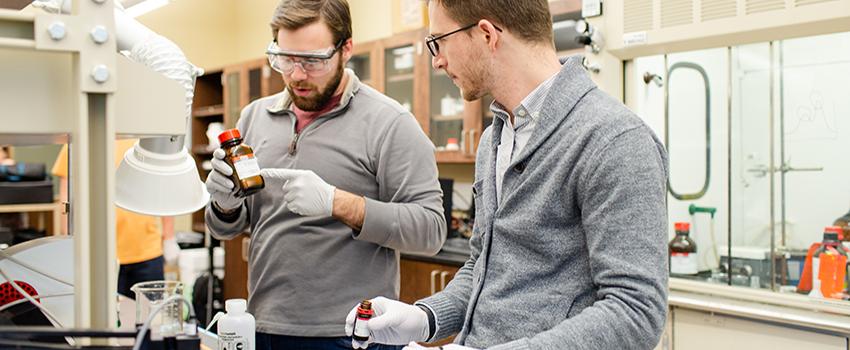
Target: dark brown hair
(294,14)
(530,20)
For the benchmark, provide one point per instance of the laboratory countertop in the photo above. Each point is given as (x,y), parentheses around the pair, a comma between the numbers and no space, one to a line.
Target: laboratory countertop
(822,315)
(455,252)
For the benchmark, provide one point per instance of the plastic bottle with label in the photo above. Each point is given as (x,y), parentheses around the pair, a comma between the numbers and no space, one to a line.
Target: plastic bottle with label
(683,252)
(831,240)
(236,327)
(246,171)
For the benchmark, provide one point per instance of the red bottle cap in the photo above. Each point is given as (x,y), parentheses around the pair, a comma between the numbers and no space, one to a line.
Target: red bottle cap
(832,229)
(682,226)
(451,140)
(229,134)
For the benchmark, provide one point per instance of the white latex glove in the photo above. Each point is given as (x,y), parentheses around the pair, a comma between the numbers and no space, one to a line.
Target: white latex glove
(221,188)
(304,192)
(170,251)
(415,346)
(394,323)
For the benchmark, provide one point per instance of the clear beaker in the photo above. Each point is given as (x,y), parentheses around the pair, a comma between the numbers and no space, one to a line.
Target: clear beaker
(151,295)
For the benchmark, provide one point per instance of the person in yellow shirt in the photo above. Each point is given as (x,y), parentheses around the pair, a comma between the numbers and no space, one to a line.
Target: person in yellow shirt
(144,243)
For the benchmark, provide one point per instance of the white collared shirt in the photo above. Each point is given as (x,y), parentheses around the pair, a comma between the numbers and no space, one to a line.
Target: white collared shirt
(515,137)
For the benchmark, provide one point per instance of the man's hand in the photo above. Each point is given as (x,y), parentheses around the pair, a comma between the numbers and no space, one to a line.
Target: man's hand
(304,192)
(394,323)
(221,188)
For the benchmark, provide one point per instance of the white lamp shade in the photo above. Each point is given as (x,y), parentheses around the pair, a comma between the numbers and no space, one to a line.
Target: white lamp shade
(159,184)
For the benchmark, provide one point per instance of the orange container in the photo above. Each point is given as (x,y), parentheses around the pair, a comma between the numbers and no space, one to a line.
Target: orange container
(832,272)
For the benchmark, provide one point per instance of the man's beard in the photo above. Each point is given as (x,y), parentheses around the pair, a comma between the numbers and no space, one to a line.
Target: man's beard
(316,102)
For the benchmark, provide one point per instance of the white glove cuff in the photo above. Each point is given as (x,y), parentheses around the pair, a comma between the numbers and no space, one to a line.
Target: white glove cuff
(329,198)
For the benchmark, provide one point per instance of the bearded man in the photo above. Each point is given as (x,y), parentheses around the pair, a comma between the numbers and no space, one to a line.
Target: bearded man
(351,181)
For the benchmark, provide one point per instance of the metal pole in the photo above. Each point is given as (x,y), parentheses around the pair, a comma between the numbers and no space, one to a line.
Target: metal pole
(729,164)
(772,177)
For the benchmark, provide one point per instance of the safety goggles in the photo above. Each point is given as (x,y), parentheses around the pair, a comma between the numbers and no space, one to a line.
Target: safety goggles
(315,62)
(433,41)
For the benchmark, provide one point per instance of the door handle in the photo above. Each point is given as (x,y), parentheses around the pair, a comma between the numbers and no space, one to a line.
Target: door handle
(434,281)
(246,242)
(443,275)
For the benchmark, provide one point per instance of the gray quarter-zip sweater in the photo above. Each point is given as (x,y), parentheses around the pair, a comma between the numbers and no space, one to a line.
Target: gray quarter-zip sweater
(306,273)
(574,255)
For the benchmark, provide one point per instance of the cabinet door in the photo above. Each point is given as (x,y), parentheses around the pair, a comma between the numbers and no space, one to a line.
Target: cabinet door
(698,330)
(420,279)
(405,73)
(446,108)
(254,82)
(232,96)
(366,61)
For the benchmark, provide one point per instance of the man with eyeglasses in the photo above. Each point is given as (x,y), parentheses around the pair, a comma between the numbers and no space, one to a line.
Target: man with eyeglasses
(569,244)
(351,181)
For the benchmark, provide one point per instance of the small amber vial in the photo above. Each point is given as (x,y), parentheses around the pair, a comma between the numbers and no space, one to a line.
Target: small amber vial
(364,313)
(246,171)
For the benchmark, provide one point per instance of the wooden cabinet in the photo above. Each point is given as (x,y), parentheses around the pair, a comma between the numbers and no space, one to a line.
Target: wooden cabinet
(422,279)
(367,62)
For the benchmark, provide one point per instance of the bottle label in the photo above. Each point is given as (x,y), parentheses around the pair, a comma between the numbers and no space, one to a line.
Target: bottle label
(246,166)
(232,341)
(683,263)
(361,328)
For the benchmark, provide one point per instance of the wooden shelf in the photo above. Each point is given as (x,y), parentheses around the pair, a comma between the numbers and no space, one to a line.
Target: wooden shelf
(455,157)
(34,207)
(55,210)
(400,78)
(199,227)
(209,111)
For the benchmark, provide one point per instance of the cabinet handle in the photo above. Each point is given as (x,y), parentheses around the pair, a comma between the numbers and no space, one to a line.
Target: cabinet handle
(434,281)
(246,242)
(463,142)
(443,276)
(472,133)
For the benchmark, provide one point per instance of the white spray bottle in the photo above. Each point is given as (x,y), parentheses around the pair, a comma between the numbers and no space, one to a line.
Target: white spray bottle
(236,327)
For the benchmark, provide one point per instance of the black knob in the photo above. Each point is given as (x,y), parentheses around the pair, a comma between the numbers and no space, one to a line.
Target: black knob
(584,40)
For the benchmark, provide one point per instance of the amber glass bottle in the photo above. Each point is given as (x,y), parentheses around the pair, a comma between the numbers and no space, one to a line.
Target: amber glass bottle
(683,252)
(240,157)
(844,223)
(364,313)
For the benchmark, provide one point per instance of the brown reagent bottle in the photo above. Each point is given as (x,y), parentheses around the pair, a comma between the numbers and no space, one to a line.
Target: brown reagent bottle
(364,313)
(683,252)
(240,157)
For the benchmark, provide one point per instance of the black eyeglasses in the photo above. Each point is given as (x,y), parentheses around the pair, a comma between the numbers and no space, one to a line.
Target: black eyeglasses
(434,46)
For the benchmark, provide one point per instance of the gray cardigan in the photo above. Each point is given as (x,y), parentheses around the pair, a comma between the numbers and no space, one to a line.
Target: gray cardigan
(575,255)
